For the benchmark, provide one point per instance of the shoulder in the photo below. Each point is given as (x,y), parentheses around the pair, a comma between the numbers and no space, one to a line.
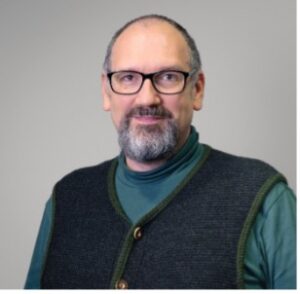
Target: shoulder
(86,176)
(225,158)
(241,166)
(281,200)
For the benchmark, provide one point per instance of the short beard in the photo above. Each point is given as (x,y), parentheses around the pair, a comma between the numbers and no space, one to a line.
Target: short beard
(146,143)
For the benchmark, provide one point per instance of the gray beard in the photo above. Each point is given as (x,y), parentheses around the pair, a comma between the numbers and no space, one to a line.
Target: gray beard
(146,143)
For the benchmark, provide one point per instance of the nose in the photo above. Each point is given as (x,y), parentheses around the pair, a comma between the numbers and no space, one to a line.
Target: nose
(148,95)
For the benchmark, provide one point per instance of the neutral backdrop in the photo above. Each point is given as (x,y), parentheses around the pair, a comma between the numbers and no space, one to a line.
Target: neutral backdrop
(51,114)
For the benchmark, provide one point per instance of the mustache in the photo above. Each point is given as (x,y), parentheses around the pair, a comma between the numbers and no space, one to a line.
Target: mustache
(157,111)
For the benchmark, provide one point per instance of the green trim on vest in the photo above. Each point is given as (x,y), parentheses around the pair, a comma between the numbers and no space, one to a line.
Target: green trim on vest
(112,193)
(121,262)
(151,214)
(128,242)
(50,237)
(254,210)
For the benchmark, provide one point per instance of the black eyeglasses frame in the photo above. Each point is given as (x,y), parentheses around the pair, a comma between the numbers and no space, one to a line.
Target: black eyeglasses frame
(151,77)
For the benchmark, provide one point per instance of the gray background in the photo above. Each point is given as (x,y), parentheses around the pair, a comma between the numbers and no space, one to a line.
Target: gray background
(50,105)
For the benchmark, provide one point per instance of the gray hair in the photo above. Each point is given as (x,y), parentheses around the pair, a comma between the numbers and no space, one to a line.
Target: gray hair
(195,61)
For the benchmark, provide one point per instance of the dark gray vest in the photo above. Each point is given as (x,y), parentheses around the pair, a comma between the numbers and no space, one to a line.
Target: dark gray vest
(195,239)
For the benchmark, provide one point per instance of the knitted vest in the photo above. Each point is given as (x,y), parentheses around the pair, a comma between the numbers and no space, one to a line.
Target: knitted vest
(195,238)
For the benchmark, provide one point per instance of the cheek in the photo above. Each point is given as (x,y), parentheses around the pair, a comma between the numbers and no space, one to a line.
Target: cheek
(118,112)
(115,120)
(182,111)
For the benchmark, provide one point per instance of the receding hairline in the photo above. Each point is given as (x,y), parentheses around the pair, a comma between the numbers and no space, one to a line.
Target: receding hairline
(147,21)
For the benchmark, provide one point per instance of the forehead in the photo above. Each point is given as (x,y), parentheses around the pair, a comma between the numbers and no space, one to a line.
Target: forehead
(149,46)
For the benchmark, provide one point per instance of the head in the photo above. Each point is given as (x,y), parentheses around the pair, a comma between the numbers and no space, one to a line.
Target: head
(152,122)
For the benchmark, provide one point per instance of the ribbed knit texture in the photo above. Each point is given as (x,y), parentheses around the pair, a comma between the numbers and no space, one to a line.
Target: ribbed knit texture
(191,244)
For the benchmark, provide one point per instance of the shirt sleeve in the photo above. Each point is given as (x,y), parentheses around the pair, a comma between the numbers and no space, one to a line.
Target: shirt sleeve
(270,260)
(36,266)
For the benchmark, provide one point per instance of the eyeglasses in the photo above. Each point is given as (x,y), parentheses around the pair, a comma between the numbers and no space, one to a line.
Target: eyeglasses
(167,82)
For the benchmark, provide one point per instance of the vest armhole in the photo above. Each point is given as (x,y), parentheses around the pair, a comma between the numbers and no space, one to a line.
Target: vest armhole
(250,219)
(45,257)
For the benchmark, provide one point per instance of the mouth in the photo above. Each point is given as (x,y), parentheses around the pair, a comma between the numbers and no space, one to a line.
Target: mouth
(147,119)
(148,115)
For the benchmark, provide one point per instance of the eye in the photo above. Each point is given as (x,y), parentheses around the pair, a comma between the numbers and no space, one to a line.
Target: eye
(126,77)
(169,76)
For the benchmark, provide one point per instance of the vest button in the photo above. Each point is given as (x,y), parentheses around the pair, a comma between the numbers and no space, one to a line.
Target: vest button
(121,284)
(137,233)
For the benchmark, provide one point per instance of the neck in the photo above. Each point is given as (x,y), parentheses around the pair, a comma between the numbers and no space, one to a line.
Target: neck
(144,166)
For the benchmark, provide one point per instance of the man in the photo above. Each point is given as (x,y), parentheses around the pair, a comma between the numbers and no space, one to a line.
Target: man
(168,212)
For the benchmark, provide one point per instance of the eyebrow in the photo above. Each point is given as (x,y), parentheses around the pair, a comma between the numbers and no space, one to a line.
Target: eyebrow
(164,68)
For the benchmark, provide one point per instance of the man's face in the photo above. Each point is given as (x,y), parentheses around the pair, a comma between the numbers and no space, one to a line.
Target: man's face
(151,47)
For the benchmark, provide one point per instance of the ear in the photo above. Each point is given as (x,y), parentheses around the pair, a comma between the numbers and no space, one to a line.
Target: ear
(105,92)
(198,91)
